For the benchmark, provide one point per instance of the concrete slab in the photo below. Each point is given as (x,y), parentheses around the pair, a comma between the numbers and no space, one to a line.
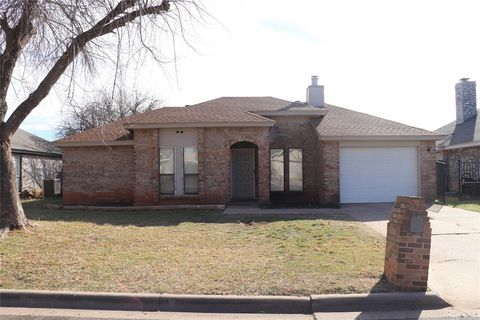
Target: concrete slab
(447,313)
(455,255)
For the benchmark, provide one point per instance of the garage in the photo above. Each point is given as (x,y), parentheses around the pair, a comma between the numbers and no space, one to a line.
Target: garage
(378,174)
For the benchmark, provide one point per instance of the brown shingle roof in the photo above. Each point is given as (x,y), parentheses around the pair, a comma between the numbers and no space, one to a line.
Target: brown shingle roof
(345,122)
(337,122)
(28,143)
(113,131)
(199,115)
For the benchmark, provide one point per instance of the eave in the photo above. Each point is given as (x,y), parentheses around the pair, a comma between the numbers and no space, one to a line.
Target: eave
(382,138)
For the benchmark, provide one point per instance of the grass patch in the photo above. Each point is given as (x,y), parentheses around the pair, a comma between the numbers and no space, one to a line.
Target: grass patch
(201,252)
(467,204)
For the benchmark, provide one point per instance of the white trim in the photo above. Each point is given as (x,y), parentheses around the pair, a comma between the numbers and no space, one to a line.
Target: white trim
(93,143)
(384,138)
(269,123)
(363,144)
(293,113)
(461,145)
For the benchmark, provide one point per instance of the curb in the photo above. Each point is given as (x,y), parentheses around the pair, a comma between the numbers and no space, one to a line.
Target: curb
(154,302)
(390,301)
(395,301)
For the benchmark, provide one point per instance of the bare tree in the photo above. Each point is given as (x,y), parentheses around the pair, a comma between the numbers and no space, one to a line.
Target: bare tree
(105,108)
(53,36)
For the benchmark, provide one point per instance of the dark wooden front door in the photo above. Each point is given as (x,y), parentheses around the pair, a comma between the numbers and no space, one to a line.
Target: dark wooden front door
(243,174)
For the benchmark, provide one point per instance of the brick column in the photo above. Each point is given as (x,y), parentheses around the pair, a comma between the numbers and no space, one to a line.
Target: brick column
(145,146)
(407,255)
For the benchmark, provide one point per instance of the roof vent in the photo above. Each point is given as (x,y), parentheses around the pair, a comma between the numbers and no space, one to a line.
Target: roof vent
(315,96)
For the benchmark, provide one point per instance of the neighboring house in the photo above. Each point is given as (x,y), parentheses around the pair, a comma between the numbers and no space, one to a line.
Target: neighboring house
(35,159)
(249,149)
(462,140)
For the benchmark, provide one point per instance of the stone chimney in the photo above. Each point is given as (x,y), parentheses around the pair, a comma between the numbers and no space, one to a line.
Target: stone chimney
(466,99)
(315,95)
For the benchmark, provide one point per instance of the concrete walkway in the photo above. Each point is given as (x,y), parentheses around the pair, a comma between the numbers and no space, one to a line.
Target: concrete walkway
(455,255)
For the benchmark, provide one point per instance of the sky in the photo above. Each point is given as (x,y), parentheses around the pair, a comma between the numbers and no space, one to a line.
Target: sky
(398,60)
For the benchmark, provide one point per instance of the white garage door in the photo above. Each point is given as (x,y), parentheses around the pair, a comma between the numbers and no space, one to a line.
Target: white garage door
(377,174)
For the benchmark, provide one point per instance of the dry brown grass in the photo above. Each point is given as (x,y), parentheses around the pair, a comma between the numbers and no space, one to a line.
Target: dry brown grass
(191,252)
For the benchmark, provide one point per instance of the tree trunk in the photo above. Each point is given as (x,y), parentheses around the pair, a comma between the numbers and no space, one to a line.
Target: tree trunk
(12,215)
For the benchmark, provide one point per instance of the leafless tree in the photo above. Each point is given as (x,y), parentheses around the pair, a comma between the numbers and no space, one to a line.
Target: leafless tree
(104,108)
(55,36)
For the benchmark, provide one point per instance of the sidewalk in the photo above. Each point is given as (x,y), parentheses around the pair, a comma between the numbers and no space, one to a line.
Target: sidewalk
(455,255)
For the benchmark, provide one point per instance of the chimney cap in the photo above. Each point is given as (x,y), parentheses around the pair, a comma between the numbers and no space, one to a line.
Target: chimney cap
(314,80)
(464,79)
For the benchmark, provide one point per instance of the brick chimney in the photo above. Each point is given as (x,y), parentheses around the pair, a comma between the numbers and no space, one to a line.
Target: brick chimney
(466,98)
(315,95)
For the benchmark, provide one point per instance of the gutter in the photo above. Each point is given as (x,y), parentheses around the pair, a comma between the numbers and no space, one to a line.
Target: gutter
(382,138)
(93,143)
(37,153)
(199,125)
(460,145)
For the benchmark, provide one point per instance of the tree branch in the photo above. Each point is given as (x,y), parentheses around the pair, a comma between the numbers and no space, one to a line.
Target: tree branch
(16,39)
(72,51)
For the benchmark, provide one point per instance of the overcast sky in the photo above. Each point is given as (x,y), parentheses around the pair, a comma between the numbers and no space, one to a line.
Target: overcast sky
(394,59)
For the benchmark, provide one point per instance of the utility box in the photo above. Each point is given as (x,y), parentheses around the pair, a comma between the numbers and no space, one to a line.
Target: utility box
(407,255)
(52,187)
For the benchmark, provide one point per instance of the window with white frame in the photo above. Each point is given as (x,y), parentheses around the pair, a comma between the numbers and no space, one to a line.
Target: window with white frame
(295,170)
(277,170)
(190,170)
(167,170)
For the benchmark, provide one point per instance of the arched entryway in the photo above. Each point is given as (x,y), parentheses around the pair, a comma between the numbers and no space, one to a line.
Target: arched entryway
(243,171)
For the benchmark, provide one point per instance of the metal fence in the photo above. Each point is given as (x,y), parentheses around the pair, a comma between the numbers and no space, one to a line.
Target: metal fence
(468,179)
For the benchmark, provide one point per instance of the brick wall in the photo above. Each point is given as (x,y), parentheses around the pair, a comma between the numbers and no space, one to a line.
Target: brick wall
(214,161)
(98,175)
(428,170)
(146,185)
(329,190)
(407,254)
(298,132)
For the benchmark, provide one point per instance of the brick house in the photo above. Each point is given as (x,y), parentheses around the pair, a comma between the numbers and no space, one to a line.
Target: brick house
(260,149)
(462,141)
(35,159)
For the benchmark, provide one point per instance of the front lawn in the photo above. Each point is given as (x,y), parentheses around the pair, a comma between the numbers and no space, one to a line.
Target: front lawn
(201,252)
(467,204)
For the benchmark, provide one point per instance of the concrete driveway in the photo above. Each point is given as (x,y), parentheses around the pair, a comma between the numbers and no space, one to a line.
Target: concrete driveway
(455,254)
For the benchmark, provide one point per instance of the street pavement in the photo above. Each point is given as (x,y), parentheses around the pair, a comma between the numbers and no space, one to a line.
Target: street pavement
(71,314)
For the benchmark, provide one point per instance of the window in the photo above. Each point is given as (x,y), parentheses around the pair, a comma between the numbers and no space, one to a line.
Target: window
(277,170)
(190,170)
(167,171)
(295,170)
(18,168)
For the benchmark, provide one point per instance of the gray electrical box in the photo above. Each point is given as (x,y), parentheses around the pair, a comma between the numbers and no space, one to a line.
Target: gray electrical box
(52,187)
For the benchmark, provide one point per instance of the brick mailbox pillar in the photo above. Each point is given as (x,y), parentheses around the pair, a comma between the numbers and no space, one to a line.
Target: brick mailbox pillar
(407,255)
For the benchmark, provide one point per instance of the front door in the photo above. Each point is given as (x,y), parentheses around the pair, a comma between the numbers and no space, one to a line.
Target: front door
(243,174)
